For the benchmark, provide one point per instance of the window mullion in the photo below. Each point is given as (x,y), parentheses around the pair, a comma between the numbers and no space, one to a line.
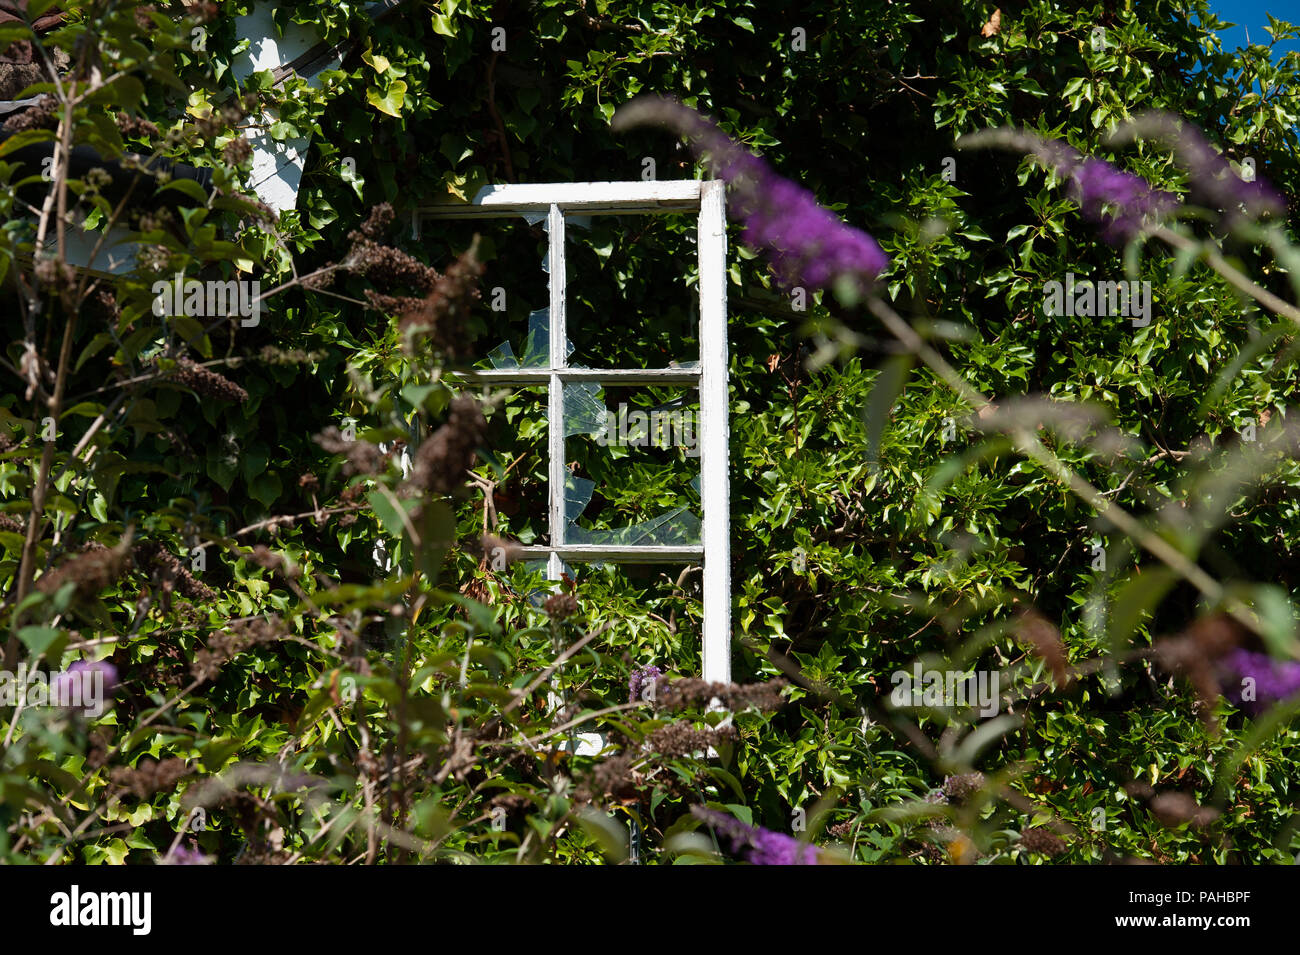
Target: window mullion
(555,392)
(715,494)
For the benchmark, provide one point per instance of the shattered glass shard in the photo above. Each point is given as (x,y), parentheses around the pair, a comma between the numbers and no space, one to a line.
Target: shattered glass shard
(577,495)
(678,527)
(537,346)
(584,408)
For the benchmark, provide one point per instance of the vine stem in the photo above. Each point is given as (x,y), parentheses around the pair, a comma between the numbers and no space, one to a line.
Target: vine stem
(26,566)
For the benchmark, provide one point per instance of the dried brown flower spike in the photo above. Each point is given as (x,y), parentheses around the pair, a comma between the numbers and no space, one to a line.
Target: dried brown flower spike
(1042,841)
(206,383)
(95,568)
(443,458)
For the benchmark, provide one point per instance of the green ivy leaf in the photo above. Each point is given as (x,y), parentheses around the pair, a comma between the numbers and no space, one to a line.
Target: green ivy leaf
(391,101)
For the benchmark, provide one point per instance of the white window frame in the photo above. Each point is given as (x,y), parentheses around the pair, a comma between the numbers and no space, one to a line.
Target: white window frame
(555,201)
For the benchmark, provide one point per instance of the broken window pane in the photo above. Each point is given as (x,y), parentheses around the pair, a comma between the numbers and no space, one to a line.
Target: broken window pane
(584,408)
(633,474)
(514,459)
(536,347)
(511,318)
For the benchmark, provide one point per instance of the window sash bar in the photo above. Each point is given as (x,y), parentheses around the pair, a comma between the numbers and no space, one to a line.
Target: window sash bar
(559,359)
(580,198)
(606,376)
(614,553)
(715,493)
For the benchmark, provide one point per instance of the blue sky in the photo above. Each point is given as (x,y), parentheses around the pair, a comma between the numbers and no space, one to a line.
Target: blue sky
(1250,16)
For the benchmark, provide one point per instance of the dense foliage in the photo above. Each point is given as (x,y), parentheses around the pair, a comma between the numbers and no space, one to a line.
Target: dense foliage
(319,657)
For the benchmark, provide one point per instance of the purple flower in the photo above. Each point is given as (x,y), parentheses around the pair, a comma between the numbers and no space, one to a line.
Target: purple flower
(1272,680)
(757,845)
(639,679)
(183,856)
(102,666)
(1120,202)
(805,244)
(80,687)
(1212,177)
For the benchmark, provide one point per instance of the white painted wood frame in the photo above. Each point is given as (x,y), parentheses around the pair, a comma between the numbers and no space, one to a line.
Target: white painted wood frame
(555,200)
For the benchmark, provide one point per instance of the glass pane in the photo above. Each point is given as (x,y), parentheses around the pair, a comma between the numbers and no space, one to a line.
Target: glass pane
(633,474)
(509,323)
(632,297)
(514,458)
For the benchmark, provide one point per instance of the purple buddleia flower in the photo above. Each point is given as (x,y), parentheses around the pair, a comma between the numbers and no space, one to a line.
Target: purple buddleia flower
(754,844)
(184,856)
(1270,680)
(642,677)
(1120,202)
(103,666)
(806,244)
(1215,179)
(84,685)
(1212,178)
